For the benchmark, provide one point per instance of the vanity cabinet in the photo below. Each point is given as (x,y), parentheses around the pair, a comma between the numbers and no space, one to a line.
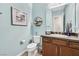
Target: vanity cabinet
(48,48)
(59,47)
(65,51)
(75,48)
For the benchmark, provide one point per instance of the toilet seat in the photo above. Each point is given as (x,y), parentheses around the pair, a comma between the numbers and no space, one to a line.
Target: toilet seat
(31,46)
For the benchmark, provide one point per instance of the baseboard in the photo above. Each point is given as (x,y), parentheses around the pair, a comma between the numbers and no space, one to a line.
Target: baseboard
(20,54)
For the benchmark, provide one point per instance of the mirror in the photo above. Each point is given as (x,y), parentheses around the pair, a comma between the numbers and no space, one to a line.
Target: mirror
(70,16)
(62,14)
(58,18)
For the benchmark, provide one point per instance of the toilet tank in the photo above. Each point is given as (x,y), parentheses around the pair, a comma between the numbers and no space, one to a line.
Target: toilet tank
(37,39)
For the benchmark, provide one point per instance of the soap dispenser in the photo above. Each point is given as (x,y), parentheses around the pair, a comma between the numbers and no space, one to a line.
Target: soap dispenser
(69,28)
(48,31)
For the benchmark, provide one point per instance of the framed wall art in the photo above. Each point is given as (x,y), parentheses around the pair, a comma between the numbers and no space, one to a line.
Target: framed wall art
(18,17)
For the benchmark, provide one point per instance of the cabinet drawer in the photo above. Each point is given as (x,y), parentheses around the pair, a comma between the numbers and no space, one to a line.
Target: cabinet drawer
(47,40)
(60,42)
(74,44)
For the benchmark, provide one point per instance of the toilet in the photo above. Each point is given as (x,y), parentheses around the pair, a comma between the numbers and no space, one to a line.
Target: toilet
(32,47)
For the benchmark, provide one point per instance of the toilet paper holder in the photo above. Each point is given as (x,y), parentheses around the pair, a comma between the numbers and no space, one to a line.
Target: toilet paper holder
(22,42)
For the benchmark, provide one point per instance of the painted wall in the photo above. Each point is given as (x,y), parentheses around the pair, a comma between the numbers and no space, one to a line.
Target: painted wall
(48,20)
(39,9)
(10,36)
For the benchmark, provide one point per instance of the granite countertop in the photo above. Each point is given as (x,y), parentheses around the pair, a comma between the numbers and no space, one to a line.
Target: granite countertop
(62,36)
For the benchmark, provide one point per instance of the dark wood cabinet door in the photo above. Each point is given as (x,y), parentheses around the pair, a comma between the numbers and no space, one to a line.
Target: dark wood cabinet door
(65,51)
(49,49)
(75,52)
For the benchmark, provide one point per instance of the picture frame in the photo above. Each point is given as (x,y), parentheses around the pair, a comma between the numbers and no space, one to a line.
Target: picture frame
(18,17)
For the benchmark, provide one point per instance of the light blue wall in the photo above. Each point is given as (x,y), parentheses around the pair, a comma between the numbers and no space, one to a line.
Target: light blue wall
(70,15)
(10,36)
(48,20)
(39,9)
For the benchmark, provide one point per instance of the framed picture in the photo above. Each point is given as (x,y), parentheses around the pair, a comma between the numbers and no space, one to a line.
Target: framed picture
(18,17)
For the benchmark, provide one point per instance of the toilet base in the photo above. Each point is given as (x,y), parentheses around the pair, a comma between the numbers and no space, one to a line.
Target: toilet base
(32,53)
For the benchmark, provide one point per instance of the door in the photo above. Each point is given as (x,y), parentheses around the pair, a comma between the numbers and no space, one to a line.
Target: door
(49,49)
(65,51)
(58,23)
(75,52)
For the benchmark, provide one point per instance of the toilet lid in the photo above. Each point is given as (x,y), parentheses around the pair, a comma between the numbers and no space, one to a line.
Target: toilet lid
(32,45)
